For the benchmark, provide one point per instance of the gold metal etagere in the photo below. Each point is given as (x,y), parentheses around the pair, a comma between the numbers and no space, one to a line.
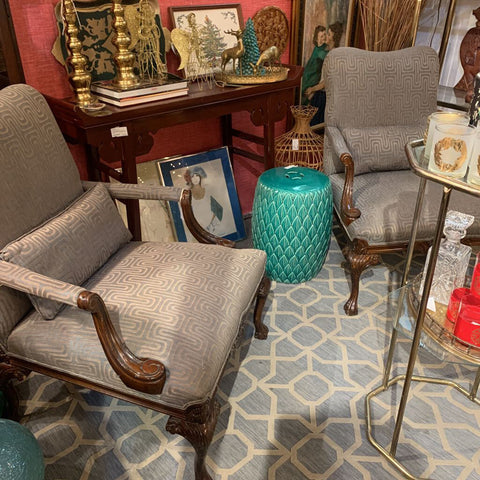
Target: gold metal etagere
(419,167)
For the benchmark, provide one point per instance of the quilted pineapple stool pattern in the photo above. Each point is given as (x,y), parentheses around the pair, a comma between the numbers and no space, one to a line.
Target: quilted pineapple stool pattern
(292,221)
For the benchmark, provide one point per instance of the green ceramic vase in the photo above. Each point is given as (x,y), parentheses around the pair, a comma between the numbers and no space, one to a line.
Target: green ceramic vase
(292,222)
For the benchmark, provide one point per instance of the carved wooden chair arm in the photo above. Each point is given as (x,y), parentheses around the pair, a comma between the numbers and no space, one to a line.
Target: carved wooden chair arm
(199,233)
(133,191)
(142,374)
(348,212)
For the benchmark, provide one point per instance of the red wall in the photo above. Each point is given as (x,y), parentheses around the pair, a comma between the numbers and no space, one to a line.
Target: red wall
(36,30)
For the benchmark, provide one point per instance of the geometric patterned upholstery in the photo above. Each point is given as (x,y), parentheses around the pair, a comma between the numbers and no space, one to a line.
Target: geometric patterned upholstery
(377,102)
(180,314)
(39,179)
(71,245)
(387,202)
(368,146)
(378,89)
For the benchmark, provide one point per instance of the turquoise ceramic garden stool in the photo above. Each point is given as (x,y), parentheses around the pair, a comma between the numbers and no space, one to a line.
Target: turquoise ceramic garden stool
(20,454)
(292,222)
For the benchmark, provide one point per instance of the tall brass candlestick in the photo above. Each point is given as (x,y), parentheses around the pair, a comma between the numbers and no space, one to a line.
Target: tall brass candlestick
(124,58)
(79,77)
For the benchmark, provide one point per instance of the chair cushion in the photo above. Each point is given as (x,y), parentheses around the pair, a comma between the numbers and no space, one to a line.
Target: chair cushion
(181,303)
(387,203)
(72,245)
(376,149)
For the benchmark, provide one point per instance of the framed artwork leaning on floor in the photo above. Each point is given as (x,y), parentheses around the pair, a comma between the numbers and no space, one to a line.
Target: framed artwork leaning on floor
(215,201)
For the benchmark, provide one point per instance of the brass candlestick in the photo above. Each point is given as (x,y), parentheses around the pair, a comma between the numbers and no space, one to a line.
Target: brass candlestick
(124,59)
(79,77)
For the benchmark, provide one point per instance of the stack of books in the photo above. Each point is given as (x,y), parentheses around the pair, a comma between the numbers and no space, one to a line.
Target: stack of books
(171,87)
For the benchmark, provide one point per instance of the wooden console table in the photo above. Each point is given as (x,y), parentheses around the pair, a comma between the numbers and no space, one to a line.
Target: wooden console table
(135,125)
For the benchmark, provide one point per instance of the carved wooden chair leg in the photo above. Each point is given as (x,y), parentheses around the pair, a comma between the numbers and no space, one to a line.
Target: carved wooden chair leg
(7,374)
(199,435)
(358,259)
(261,330)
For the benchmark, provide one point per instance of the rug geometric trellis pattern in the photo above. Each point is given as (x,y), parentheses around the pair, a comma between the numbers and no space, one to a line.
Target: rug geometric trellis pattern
(292,407)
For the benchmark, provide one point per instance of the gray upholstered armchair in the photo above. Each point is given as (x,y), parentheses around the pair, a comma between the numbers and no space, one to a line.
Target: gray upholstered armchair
(376,103)
(151,323)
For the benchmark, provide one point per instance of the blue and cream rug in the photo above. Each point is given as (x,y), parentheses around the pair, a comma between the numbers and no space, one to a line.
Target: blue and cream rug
(292,407)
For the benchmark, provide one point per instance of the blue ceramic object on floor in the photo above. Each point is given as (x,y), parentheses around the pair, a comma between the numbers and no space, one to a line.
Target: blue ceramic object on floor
(20,454)
(292,222)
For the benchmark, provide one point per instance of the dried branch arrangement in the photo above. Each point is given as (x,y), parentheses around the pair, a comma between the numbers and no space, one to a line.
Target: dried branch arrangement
(388,24)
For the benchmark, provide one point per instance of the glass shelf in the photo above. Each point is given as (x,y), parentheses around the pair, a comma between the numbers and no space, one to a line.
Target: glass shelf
(402,310)
(419,165)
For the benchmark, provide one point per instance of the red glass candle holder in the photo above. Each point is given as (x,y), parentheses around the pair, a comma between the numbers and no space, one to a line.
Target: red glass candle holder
(454,306)
(475,286)
(467,327)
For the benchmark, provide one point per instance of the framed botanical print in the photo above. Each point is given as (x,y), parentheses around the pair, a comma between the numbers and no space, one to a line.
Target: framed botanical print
(215,201)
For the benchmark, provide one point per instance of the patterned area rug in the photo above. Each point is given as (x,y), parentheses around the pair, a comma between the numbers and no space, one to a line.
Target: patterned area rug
(292,407)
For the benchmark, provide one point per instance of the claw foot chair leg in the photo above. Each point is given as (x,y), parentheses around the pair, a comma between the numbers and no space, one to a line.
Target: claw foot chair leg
(358,259)
(199,435)
(261,330)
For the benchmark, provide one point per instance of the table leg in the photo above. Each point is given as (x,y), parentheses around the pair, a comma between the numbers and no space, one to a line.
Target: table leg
(269,144)
(420,318)
(129,175)
(227,137)
(408,262)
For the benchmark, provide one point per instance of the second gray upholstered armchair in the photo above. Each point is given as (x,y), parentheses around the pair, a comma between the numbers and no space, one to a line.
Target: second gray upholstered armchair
(377,102)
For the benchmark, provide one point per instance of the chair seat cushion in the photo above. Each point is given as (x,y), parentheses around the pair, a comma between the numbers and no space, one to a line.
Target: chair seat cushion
(387,203)
(180,303)
(381,148)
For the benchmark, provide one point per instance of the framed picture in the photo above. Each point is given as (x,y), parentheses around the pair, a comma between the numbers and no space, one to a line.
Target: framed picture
(318,26)
(206,27)
(214,196)
(96,34)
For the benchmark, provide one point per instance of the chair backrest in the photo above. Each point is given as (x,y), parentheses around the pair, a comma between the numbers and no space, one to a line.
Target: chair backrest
(38,178)
(379,89)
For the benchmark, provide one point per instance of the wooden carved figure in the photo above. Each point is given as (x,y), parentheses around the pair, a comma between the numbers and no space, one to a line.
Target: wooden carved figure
(470,57)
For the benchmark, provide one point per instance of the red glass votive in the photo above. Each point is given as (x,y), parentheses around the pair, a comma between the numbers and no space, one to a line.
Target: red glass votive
(475,286)
(453,307)
(467,327)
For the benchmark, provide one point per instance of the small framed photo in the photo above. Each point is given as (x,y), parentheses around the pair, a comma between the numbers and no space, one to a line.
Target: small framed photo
(215,201)
(206,26)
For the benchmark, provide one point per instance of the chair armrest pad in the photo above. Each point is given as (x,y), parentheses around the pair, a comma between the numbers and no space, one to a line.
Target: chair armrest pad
(133,191)
(27,281)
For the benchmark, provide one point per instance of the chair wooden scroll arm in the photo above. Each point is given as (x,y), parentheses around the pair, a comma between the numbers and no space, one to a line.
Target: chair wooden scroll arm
(132,191)
(348,211)
(142,374)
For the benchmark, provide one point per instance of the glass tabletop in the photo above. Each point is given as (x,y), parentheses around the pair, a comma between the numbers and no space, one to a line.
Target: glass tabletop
(419,164)
(401,309)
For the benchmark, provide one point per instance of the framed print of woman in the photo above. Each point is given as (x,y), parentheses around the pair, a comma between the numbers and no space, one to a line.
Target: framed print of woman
(311,15)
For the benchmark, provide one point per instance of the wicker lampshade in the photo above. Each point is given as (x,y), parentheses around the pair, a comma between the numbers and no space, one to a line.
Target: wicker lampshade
(300,146)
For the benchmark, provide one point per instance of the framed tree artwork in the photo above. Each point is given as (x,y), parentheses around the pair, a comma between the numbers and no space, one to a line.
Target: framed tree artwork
(200,35)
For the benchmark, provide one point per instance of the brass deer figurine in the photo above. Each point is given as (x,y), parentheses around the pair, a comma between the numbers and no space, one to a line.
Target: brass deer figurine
(234,53)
